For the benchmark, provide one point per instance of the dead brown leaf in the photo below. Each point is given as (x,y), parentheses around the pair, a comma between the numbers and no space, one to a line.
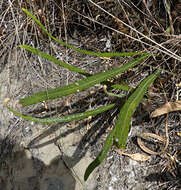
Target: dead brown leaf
(137,156)
(147,136)
(166,108)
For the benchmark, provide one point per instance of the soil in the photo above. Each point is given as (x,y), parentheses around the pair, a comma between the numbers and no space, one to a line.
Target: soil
(53,157)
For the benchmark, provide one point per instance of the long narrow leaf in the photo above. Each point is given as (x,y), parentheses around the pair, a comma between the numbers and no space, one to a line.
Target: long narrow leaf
(122,87)
(66,118)
(53,59)
(107,145)
(79,86)
(112,94)
(123,123)
(111,54)
(67,66)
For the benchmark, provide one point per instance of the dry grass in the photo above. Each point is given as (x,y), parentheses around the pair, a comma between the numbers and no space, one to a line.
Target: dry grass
(151,26)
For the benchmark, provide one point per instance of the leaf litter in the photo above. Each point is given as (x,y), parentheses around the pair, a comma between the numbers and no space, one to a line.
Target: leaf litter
(137,156)
(167,108)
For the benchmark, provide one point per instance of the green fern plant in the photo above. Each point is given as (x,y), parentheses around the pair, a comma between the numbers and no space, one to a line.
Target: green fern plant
(118,136)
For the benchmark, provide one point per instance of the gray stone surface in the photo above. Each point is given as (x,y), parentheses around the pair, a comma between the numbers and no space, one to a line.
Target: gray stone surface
(39,168)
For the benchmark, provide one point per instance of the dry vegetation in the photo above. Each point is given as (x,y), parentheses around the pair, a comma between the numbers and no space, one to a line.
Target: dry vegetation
(107,25)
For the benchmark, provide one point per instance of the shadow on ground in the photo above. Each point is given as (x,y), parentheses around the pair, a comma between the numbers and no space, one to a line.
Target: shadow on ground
(20,171)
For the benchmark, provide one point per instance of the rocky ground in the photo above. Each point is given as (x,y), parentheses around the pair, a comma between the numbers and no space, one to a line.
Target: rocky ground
(41,157)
